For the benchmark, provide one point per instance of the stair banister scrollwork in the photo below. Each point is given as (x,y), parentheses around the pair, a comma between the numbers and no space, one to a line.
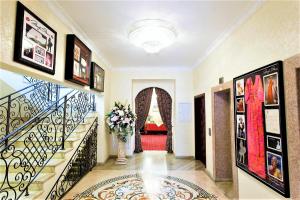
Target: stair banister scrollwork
(85,154)
(20,106)
(27,149)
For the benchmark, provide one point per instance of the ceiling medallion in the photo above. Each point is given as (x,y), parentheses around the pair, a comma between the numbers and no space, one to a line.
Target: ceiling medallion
(152,34)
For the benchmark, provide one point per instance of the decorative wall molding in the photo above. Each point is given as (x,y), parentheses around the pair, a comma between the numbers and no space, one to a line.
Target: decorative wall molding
(147,69)
(76,29)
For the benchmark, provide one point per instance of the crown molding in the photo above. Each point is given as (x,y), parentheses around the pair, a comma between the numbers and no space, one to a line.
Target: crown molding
(60,13)
(152,68)
(225,34)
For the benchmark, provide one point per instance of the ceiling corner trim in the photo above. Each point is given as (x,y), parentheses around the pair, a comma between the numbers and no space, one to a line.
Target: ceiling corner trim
(149,68)
(75,28)
(223,36)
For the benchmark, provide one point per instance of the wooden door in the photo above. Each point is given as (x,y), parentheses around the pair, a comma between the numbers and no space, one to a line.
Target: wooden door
(200,142)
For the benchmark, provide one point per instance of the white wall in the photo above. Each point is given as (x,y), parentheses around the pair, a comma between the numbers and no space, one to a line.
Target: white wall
(128,82)
(47,11)
(10,82)
(272,33)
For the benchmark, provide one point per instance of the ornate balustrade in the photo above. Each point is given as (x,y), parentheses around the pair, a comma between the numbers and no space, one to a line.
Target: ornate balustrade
(82,161)
(19,107)
(27,150)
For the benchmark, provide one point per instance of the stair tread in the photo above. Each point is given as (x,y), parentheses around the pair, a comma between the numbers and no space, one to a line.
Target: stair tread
(53,162)
(87,120)
(70,138)
(42,177)
(78,130)
(66,150)
(32,195)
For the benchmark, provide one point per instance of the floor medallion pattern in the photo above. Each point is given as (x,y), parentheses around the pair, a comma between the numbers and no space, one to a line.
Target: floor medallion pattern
(145,187)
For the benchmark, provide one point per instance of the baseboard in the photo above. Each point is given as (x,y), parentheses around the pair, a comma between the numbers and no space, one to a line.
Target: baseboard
(209,174)
(184,157)
(102,163)
(223,180)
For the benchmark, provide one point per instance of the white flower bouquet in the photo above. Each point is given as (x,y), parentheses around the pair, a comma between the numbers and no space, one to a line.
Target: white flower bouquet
(121,121)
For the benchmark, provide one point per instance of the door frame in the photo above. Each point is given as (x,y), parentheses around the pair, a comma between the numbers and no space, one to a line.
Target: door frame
(228,86)
(196,97)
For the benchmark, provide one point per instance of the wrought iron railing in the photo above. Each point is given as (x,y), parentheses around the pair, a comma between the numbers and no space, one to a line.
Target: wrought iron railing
(19,107)
(27,150)
(82,161)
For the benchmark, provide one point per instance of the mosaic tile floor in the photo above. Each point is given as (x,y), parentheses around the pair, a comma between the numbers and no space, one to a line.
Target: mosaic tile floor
(157,171)
(144,187)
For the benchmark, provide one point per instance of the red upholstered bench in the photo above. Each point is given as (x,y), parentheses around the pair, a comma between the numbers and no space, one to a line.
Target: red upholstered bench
(153,128)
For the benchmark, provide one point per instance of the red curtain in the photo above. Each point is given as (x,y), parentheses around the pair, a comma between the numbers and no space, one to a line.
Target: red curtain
(142,107)
(164,102)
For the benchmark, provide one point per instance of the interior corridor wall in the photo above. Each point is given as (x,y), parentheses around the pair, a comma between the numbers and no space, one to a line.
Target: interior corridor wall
(122,90)
(272,33)
(44,10)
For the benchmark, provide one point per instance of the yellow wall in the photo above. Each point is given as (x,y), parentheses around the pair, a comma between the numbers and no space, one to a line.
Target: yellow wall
(41,9)
(272,33)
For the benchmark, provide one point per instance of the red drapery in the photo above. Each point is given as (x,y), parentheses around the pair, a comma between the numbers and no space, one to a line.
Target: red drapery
(164,102)
(142,107)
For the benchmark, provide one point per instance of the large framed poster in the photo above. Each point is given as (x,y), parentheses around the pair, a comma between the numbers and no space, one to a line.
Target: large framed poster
(260,129)
(78,61)
(35,41)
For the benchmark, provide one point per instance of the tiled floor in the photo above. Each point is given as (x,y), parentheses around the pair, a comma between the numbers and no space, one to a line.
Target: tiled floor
(153,163)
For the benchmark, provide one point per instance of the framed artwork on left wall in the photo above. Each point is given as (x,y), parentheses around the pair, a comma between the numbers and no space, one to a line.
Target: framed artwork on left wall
(78,61)
(35,41)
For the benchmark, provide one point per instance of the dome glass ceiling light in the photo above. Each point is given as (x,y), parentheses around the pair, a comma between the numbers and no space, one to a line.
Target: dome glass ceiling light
(152,34)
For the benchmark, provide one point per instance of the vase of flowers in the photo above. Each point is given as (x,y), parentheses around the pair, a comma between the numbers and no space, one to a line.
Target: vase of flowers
(121,122)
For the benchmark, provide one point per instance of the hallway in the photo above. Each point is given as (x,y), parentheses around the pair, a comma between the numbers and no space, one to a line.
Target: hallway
(150,165)
(146,100)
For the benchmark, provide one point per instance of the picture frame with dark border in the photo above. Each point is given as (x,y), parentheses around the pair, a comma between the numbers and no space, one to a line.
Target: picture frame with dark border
(97,78)
(78,61)
(273,162)
(35,41)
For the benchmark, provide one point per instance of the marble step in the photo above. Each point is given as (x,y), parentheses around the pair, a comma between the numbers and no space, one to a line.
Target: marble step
(36,185)
(68,142)
(49,168)
(33,195)
(60,154)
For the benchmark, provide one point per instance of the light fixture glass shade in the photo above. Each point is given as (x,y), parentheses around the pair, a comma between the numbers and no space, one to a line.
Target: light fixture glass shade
(152,35)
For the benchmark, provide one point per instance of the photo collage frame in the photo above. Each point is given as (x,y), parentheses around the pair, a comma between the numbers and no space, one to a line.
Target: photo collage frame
(35,46)
(79,67)
(35,41)
(260,133)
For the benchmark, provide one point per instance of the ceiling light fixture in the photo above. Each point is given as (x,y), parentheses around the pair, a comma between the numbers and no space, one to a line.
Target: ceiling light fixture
(152,34)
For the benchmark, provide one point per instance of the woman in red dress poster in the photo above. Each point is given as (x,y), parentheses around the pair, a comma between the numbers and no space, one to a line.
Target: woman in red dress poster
(254,97)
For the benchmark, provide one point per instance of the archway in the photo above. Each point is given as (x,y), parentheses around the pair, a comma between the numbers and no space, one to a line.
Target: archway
(142,107)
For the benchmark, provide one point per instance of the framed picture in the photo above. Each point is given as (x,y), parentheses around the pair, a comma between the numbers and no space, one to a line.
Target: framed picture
(240,105)
(239,87)
(271,89)
(241,127)
(35,41)
(260,138)
(242,152)
(274,143)
(272,121)
(78,61)
(274,166)
(97,78)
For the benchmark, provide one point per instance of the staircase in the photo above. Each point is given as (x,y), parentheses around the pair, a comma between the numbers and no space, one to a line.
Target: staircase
(52,145)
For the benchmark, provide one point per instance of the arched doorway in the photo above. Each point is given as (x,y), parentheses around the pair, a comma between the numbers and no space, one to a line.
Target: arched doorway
(142,107)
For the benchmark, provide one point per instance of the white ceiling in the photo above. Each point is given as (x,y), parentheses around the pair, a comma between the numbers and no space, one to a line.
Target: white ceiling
(200,25)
